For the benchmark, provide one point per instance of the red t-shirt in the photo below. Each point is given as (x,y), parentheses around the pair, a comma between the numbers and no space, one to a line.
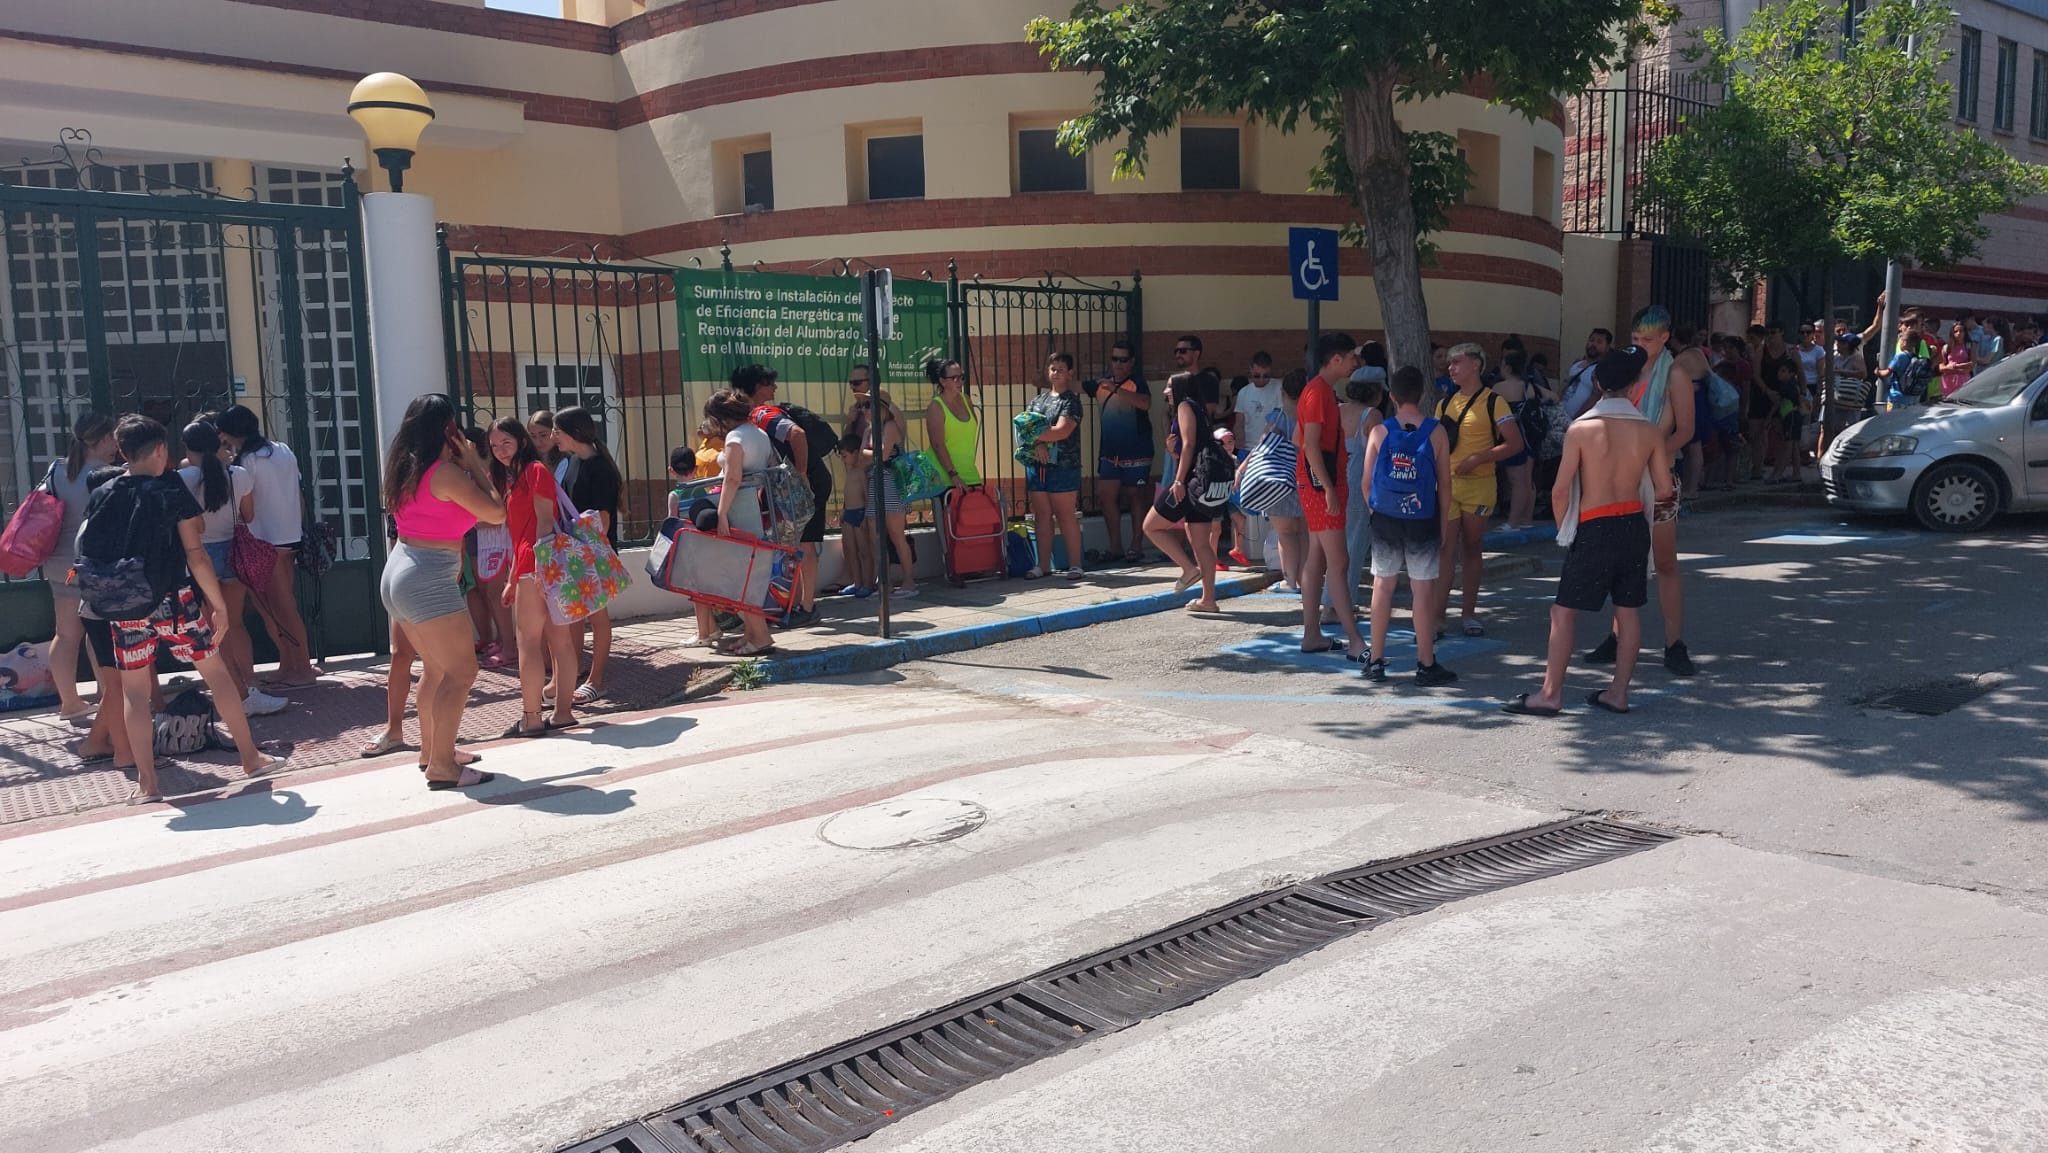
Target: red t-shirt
(520,519)
(1318,405)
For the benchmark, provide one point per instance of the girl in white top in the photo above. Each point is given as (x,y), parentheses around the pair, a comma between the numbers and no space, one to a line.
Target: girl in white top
(279,519)
(226,496)
(745,462)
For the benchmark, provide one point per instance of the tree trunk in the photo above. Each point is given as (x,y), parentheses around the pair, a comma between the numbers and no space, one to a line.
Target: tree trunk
(1378,155)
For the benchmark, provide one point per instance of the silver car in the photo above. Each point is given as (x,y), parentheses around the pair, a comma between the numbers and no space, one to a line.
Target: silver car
(1956,464)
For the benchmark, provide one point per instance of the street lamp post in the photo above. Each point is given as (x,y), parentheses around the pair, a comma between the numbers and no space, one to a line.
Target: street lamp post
(393,111)
(401,257)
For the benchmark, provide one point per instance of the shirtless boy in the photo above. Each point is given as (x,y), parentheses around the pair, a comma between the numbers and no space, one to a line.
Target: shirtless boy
(1607,454)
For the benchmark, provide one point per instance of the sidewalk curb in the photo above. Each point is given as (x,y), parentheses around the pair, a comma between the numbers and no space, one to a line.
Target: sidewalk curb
(883,654)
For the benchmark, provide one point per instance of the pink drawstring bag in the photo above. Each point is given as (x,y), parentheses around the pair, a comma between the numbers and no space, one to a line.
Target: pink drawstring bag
(31,535)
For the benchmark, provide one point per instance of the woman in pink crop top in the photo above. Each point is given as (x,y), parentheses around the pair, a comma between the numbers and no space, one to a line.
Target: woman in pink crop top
(437,488)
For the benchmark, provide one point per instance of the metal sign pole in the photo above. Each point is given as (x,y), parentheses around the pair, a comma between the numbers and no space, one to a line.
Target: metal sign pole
(871,328)
(1315,334)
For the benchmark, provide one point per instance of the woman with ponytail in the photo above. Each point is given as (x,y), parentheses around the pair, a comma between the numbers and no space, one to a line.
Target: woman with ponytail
(92,445)
(227,496)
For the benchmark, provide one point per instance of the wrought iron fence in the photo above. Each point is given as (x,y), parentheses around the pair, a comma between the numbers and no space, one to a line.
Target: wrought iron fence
(527,334)
(137,286)
(1009,331)
(1612,133)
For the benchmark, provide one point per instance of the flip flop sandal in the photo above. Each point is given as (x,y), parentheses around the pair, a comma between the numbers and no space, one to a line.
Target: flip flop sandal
(1599,702)
(1521,707)
(460,763)
(586,693)
(94,758)
(470,778)
(382,746)
(270,765)
(519,732)
(551,724)
(1474,629)
(146,799)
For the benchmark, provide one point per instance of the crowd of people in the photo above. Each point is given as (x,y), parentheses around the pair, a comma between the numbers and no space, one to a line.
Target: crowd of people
(1345,475)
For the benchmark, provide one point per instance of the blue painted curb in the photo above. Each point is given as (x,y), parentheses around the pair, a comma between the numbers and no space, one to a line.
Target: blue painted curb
(878,655)
(1504,537)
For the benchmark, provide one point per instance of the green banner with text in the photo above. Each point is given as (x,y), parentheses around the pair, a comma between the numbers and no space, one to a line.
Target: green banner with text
(807,328)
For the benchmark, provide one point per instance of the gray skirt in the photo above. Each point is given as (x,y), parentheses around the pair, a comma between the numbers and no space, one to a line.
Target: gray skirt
(422,584)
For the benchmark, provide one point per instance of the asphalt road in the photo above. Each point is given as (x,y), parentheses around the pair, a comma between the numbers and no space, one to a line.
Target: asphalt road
(1798,618)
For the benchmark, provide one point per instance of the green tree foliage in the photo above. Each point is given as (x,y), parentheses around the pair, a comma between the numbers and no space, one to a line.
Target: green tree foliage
(1341,66)
(1830,146)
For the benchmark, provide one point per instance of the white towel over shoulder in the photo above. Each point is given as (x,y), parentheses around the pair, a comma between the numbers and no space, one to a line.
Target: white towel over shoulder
(1607,408)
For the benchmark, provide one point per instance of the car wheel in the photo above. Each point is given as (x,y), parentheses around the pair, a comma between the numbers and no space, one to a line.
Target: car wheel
(1956,497)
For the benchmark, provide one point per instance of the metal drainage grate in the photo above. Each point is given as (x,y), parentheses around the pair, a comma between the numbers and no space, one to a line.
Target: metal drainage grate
(849,1092)
(843,1094)
(1933,698)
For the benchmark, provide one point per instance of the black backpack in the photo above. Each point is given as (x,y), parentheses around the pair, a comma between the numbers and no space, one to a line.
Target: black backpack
(824,441)
(1451,424)
(117,557)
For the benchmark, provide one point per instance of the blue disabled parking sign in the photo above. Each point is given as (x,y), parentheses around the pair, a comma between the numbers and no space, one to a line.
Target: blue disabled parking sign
(1312,261)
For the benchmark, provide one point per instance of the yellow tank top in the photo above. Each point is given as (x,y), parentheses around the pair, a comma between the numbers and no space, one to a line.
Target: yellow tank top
(963,442)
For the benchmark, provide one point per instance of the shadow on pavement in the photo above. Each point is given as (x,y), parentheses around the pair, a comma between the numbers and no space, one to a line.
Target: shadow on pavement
(1794,637)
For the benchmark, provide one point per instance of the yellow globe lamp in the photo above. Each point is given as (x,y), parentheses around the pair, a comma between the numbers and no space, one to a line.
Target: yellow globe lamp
(393,111)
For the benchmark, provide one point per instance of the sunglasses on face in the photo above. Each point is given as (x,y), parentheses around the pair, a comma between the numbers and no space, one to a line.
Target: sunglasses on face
(954,376)
(1182,351)
(1119,360)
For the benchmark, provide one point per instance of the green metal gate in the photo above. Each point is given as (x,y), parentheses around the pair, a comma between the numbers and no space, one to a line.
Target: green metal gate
(136,286)
(1005,332)
(525,334)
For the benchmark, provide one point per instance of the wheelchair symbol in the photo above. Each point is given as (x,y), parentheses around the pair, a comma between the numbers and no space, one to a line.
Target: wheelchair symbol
(1311,273)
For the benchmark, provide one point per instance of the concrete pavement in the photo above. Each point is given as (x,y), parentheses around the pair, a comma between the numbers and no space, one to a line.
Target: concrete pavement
(1798,620)
(345,961)
(1699,998)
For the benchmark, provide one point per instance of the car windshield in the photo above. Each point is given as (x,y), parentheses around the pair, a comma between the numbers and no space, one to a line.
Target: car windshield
(2002,381)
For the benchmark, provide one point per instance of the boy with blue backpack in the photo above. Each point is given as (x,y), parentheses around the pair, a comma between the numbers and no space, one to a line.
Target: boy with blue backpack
(1410,501)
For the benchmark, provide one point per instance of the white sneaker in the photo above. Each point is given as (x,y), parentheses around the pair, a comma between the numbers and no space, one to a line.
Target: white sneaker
(261,704)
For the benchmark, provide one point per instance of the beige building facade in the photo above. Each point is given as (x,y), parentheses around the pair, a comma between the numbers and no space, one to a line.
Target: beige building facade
(895,131)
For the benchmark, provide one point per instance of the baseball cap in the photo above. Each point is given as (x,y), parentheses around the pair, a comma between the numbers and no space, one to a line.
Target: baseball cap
(1619,368)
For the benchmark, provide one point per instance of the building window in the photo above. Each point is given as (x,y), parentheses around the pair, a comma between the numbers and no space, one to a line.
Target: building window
(558,382)
(1969,73)
(2002,98)
(1852,22)
(2037,109)
(1481,153)
(757,181)
(895,167)
(1543,186)
(1045,165)
(1209,158)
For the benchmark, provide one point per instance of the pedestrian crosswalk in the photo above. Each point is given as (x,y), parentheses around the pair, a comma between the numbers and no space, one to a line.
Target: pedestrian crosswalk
(344,961)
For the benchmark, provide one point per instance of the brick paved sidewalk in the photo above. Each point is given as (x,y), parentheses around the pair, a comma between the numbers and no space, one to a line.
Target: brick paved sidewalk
(332,721)
(326,724)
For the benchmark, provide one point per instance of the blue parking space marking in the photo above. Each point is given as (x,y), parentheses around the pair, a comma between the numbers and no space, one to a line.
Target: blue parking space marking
(1834,535)
(1285,649)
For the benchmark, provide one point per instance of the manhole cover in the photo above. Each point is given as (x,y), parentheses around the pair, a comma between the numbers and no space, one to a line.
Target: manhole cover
(903,824)
(1933,698)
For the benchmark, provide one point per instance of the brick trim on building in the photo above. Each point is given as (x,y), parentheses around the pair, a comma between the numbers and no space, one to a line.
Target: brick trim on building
(693,14)
(1058,209)
(897,66)
(1980,280)
(978,212)
(1120,261)
(462,19)
(541,107)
